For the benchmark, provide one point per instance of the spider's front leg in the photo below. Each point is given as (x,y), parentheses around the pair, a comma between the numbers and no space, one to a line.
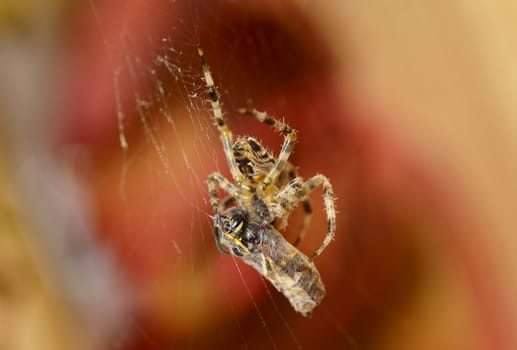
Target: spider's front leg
(224,132)
(287,146)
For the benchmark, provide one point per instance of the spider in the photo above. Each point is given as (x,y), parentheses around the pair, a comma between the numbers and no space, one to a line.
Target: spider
(258,204)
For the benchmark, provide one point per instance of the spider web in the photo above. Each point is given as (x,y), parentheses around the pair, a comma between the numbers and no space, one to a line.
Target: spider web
(187,294)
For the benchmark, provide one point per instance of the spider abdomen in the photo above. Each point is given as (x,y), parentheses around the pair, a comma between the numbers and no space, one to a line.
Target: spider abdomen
(253,160)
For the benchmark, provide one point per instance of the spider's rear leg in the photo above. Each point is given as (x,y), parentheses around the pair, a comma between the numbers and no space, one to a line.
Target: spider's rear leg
(288,176)
(297,191)
(287,146)
(307,208)
(328,198)
(289,196)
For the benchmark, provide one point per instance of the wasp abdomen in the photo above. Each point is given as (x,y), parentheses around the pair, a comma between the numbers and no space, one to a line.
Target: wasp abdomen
(290,271)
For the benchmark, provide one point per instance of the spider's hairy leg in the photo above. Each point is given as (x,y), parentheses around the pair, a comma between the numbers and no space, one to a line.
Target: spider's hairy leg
(328,197)
(224,131)
(292,173)
(226,202)
(217,180)
(289,197)
(212,91)
(297,191)
(307,208)
(287,146)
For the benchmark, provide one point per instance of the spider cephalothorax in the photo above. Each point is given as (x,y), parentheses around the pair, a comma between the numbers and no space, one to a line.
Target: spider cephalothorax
(265,191)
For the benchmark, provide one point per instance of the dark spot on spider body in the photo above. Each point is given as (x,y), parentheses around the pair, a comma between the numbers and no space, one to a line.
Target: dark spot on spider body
(245,167)
(307,207)
(330,224)
(269,121)
(254,145)
(261,208)
(212,95)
